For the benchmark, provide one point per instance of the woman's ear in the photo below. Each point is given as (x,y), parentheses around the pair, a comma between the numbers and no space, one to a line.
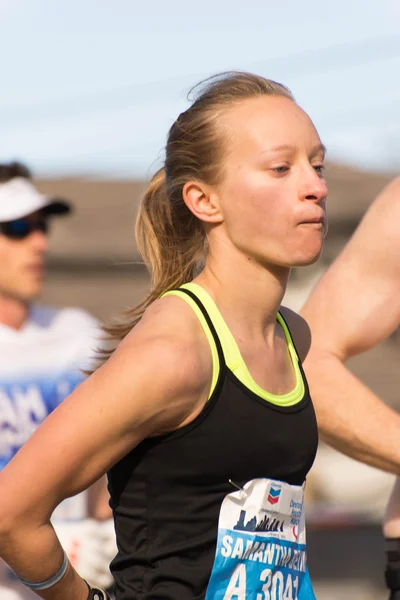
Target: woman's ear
(202,201)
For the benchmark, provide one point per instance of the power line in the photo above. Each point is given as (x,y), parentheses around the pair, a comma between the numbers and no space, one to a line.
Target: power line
(303,63)
(345,54)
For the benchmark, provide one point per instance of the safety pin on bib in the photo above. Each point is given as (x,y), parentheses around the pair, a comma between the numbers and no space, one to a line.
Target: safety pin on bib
(237,486)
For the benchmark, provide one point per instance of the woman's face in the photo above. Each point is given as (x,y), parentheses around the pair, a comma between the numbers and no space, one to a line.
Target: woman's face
(272,193)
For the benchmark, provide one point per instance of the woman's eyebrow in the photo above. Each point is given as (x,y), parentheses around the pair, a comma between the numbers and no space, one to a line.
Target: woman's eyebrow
(292,148)
(319,148)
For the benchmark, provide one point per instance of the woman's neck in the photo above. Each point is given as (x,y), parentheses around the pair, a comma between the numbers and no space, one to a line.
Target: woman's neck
(248,294)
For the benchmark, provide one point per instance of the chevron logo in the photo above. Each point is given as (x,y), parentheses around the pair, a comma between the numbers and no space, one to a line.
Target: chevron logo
(274,494)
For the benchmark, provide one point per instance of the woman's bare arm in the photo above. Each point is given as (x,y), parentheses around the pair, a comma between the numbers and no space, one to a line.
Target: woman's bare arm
(156,381)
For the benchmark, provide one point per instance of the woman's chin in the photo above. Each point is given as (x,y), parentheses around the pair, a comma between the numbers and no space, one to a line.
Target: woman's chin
(309,258)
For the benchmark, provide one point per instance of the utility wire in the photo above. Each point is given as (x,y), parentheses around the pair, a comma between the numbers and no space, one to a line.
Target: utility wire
(309,62)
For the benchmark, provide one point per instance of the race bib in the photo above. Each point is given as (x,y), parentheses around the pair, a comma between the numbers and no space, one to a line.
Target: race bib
(261,545)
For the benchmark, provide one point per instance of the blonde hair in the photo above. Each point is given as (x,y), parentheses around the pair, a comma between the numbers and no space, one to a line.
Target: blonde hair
(170,238)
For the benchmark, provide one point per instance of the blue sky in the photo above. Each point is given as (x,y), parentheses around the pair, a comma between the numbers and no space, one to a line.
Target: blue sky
(92,86)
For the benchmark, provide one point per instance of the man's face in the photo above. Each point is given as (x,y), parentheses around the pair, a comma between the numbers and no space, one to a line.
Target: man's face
(22,259)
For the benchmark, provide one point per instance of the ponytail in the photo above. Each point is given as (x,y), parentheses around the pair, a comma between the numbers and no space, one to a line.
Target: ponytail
(169,238)
(171,242)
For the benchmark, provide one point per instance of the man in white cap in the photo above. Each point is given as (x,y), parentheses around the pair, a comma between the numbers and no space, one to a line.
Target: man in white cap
(42,352)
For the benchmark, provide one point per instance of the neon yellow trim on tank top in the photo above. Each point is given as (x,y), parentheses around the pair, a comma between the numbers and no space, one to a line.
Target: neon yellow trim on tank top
(233,358)
(209,335)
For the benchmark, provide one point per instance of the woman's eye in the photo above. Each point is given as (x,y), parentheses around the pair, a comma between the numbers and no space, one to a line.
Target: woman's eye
(281,169)
(320,169)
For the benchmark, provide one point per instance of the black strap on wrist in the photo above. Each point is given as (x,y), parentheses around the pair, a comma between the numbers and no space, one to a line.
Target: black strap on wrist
(97,593)
(392,571)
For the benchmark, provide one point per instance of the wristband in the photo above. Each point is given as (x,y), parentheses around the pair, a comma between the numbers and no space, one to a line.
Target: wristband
(43,585)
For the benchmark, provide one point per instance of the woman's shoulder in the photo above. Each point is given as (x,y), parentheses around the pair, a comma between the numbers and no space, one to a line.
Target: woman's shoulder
(171,315)
(299,330)
(161,371)
(170,327)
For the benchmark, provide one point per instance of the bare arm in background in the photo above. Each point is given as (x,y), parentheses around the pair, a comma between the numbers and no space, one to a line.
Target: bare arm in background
(353,308)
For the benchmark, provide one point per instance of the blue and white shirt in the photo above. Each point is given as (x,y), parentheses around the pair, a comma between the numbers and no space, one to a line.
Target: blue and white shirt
(40,365)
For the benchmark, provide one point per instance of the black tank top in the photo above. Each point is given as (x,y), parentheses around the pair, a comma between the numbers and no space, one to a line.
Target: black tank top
(166,494)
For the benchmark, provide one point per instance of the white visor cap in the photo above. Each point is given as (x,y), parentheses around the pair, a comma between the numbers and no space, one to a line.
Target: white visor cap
(19,198)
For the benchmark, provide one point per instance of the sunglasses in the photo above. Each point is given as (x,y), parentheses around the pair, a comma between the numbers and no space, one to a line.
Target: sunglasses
(21,228)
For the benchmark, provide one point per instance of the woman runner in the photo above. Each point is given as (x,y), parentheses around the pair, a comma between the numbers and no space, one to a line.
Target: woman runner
(202,415)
